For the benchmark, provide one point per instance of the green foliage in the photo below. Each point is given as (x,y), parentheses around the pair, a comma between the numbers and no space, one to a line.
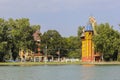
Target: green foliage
(80,30)
(52,41)
(16,34)
(74,54)
(73,46)
(107,40)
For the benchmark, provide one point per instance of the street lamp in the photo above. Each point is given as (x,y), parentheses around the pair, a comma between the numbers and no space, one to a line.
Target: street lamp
(46,53)
(59,52)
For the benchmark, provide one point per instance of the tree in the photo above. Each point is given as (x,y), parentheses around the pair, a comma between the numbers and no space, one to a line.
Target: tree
(52,40)
(16,34)
(79,41)
(73,45)
(4,38)
(80,30)
(107,40)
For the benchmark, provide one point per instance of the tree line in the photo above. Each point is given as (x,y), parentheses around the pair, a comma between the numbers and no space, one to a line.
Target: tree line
(107,42)
(16,34)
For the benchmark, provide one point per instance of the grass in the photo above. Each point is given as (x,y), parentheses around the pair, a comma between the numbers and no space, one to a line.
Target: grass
(56,63)
(35,63)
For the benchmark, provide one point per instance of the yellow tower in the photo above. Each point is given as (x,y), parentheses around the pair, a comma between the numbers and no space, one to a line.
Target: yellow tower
(88,52)
(87,44)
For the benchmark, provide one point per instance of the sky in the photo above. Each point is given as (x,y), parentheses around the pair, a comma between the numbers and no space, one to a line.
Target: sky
(65,16)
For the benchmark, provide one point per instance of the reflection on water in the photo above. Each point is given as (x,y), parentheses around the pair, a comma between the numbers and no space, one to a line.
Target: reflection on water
(61,72)
(87,72)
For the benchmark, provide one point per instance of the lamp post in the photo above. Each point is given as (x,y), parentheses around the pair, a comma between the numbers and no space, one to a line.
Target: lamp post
(59,55)
(59,52)
(46,53)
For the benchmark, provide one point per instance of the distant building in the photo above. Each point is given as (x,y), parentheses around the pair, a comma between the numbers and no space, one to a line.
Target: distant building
(37,55)
(36,35)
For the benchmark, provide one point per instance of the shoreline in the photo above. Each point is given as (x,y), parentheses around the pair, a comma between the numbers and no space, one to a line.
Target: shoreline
(35,63)
(55,63)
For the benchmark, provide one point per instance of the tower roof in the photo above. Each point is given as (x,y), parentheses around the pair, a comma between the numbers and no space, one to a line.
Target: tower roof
(89,27)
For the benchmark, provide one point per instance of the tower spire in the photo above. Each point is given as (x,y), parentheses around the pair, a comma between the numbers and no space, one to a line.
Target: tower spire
(93,22)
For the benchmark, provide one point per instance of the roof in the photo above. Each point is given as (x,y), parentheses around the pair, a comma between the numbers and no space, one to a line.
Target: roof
(82,35)
(36,35)
(89,27)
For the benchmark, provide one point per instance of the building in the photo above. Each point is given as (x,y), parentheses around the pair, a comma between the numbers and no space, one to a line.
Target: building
(37,55)
(88,52)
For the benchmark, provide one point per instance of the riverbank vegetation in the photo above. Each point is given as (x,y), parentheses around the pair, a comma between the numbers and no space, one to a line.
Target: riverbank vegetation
(16,34)
(107,42)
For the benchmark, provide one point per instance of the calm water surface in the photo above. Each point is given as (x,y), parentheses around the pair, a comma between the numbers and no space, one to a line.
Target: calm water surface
(60,72)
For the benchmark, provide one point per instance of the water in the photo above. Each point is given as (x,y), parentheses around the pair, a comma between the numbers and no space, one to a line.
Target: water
(60,72)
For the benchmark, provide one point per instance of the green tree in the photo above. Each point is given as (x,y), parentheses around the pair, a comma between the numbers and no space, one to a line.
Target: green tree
(14,35)
(107,40)
(80,30)
(52,40)
(73,45)
(22,35)
(4,38)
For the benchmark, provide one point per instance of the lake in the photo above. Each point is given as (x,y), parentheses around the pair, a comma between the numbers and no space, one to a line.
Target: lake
(60,72)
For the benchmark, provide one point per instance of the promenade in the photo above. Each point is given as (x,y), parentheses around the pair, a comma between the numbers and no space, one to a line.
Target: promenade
(56,63)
